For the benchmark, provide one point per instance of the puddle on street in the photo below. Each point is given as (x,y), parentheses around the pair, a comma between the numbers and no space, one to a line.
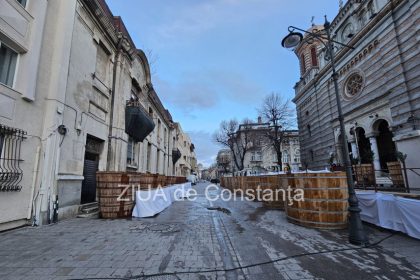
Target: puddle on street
(221,209)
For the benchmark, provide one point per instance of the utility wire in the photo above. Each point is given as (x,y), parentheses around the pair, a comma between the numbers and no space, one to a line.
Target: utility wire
(175,273)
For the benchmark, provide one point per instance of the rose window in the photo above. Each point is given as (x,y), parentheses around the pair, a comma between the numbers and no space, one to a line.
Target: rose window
(354,85)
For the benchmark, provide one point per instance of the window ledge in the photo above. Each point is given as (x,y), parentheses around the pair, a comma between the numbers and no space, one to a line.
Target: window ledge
(9,90)
(132,166)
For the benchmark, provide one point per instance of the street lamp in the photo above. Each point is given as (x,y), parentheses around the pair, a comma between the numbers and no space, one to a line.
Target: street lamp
(293,39)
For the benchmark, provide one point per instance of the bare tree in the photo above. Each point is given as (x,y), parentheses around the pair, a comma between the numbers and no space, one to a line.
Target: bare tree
(235,137)
(223,161)
(278,113)
(242,140)
(152,58)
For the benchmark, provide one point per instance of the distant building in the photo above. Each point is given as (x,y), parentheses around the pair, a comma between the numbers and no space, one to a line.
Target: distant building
(224,162)
(261,156)
(186,163)
(379,86)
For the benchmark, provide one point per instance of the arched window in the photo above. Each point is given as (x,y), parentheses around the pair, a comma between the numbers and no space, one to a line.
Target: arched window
(309,129)
(314,57)
(285,156)
(302,64)
(297,156)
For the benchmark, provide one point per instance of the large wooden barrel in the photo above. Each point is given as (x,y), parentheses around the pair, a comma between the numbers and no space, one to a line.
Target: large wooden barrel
(395,172)
(111,186)
(364,175)
(142,181)
(252,183)
(161,181)
(325,200)
(180,179)
(276,184)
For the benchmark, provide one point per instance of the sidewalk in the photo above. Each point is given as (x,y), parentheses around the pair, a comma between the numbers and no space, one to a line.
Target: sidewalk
(189,239)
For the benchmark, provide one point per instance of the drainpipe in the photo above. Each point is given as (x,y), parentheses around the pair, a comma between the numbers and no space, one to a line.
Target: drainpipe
(35,172)
(111,117)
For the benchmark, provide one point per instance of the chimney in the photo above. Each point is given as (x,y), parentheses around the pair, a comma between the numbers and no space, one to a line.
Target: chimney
(259,120)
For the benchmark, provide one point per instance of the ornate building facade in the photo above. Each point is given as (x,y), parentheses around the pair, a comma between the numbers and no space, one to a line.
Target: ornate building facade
(379,86)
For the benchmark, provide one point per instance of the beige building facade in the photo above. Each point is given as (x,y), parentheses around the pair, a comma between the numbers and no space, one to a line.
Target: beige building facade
(76,97)
(187,162)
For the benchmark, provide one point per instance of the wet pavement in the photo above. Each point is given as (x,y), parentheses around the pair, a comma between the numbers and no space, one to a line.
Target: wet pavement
(203,239)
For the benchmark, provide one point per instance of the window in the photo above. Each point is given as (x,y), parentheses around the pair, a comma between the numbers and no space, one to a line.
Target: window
(131,145)
(353,85)
(158,162)
(165,137)
(22,2)
(149,152)
(285,156)
(302,64)
(158,129)
(314,57)
(8,59)
(256,156)
(135,92)
(309,129)
(102,63)
(297,156)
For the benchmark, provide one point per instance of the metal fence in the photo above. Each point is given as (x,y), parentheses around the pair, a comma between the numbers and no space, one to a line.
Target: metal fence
(394,178)
(10,147)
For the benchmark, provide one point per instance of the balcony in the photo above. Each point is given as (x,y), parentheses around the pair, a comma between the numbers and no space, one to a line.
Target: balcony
(138,123)
(176,155)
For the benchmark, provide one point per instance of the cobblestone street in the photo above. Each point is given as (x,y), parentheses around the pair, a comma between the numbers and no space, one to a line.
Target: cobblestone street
(202,240)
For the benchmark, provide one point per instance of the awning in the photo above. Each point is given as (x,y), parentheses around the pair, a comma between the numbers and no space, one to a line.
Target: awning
(138,124)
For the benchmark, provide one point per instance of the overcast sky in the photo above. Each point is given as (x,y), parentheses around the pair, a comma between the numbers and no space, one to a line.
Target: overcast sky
(216,59)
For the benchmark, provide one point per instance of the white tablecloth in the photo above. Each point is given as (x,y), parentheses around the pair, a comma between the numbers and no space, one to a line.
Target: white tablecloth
(152,202)
(390,211)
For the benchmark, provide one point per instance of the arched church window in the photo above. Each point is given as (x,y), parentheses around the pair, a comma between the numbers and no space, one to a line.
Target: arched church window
(314,57)
(302,64)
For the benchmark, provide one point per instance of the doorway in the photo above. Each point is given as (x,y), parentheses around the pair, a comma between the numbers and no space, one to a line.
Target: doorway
(365,152)
(386,147)
(91,163)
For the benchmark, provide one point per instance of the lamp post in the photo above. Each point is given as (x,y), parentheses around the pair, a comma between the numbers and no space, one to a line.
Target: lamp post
(356,233)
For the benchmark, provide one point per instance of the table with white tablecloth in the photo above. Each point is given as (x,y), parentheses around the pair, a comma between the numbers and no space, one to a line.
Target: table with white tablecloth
(390,211)
(153,201)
